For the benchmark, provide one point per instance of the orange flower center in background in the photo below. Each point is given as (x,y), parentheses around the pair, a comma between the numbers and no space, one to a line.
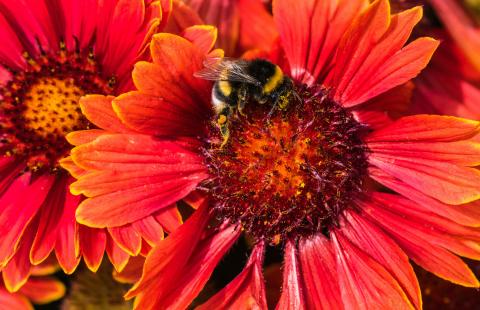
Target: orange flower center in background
(289,172)
(39,106)
(51,107)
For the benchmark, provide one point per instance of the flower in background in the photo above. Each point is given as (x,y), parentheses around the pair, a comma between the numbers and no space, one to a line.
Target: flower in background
(53,53)
(39,289)
(451,83)
(305,179)
(250,18)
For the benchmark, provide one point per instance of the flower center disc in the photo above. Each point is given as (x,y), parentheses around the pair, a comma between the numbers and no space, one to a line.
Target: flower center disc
(289,172)
(39,106)
(51,107)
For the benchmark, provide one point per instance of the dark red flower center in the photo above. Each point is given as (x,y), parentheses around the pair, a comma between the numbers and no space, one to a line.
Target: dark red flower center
(39,106)
(291,172)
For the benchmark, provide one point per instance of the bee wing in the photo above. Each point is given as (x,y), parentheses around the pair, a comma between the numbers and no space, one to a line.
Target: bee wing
(226,69)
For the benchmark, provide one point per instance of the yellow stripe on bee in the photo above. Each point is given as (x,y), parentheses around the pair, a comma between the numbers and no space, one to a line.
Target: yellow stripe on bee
(274,81)
(225,88)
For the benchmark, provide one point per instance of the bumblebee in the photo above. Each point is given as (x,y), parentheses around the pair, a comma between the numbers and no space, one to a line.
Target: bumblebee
(238,81)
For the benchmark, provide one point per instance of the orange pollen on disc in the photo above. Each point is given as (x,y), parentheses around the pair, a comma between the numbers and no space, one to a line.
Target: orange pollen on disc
(39,105)
(287,173)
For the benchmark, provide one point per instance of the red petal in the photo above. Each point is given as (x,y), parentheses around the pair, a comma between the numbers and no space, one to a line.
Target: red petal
(150,229)
(169,218)
(18,205)
(427,128)
(173,251)
(68,164)
(98,109)
(463,153)
(364,283)
(256,26)
(183,16)
(48,228)
(16,272)
(203,36)
(127,238)
(171,75)
(224,15)
(43,290)
(468,215)
(246,291)
(461,27)
(13,301)
(383,109)
(386,252)
(319,269)
(131,153)
(310,32)
(144,175)
(132,271)
(429,256)
(92,245)
(456,238)
(156,116)
(67,245)
(371,48)
(449,183)
(84,136)
(118,257)
(403,66)
(293,287)
(128,32)
(177,269)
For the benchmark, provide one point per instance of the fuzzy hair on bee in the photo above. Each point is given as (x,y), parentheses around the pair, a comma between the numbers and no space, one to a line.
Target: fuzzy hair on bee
(238,81)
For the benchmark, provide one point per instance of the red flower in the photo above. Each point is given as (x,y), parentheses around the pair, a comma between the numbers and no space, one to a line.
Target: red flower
(249,18)
(307,176)
(451,83)
(40,289)
(52,53)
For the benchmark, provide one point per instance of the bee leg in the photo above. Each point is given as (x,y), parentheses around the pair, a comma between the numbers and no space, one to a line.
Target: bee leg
(242,99)
(274,106)
(222,123)
(225,134)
